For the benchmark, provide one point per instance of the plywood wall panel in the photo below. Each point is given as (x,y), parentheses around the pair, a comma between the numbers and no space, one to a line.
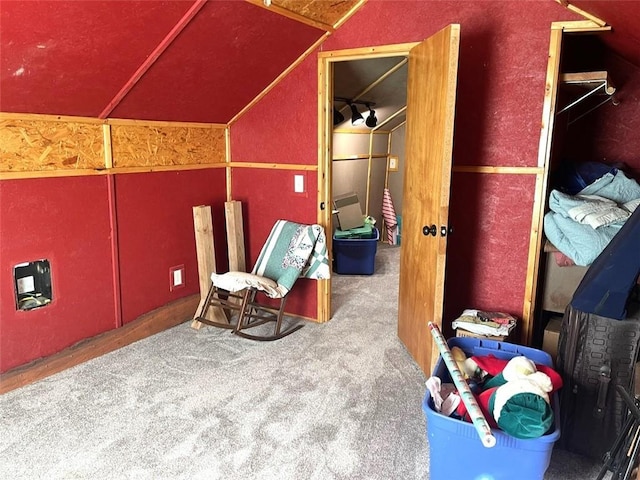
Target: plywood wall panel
(37,145)
(324,12)
(145,146)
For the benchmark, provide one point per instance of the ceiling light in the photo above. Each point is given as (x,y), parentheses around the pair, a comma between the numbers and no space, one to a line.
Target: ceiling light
(356,116)
(338,117)
(372,120)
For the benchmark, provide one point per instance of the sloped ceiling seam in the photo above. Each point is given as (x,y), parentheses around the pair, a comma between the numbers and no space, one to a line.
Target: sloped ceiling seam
(587,15)
(151,59)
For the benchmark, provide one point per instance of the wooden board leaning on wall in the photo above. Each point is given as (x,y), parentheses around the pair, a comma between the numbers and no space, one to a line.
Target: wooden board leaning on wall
(48,145)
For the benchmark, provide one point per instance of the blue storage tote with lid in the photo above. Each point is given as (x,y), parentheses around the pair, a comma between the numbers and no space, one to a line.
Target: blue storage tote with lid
(455,449)
(355,256)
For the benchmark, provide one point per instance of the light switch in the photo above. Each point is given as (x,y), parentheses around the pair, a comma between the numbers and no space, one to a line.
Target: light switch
(298,183)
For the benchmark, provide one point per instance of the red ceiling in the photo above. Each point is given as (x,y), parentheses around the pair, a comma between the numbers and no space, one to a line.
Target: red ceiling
(80,57)
(74,57)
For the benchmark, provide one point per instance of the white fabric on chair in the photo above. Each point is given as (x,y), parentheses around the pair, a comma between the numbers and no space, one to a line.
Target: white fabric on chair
(237,281)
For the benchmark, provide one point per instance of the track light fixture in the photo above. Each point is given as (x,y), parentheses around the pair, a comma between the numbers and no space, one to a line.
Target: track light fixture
(356,116)
(372,120)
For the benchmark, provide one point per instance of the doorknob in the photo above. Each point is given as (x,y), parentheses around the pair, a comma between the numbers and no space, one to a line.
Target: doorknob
(444,230)
(432,230)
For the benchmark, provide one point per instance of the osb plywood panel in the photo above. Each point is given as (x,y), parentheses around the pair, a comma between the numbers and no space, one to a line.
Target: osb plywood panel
(43,145)
(327,12)
(148,146)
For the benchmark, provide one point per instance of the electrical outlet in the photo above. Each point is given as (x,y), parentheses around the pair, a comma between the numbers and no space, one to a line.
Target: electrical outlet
(298,183)
(176,277)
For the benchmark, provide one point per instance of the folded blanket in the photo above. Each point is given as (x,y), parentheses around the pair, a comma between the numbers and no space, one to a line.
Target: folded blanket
(579,242)
(485,323)
(292,250)
(583,242)
(597,211)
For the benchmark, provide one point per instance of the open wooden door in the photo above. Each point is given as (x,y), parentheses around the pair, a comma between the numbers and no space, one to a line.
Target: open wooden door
(431,93)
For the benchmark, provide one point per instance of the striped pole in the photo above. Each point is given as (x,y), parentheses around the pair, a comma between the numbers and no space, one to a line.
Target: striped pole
(477,417)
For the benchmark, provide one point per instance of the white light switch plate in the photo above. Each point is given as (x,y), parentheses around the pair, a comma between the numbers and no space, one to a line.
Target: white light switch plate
(298,183)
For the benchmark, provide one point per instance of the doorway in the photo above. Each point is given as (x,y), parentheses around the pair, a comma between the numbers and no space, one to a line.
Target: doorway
(360,154)
(367,157)
(431,92)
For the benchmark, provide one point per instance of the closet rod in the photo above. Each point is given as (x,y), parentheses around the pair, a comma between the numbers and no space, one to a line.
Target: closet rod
(593,108)
(575,102)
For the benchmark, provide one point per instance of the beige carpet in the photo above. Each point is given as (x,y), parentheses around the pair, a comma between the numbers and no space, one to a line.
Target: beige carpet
(340,400)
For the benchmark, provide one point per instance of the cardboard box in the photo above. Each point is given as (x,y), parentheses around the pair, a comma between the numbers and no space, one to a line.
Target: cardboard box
(349,212)
(551,337)
(465,333)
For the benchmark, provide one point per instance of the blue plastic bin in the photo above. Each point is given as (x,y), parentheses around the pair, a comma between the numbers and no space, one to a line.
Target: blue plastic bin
(455,449)
(355,256)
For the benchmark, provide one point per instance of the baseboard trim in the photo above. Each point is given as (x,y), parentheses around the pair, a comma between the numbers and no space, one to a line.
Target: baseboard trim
(156,321)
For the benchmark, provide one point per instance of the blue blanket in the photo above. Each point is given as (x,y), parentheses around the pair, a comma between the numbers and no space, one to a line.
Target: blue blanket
(578,241)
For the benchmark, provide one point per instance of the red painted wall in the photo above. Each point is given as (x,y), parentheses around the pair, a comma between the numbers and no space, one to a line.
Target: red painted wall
(501,86)
(66,221)
(267,195)
(155,233)
(282,128)
(487,252)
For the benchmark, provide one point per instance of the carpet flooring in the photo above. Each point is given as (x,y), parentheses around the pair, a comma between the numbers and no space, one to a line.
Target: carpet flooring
(340,400)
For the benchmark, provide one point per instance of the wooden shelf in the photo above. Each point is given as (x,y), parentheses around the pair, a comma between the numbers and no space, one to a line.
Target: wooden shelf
(589,79)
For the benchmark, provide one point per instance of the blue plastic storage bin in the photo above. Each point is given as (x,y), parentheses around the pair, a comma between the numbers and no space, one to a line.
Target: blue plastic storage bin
(355,256)
(455,449)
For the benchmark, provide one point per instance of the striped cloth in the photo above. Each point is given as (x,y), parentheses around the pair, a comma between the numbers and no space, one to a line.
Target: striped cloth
(389,215)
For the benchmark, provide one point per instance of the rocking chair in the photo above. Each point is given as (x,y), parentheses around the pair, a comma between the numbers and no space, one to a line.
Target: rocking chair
(291,251)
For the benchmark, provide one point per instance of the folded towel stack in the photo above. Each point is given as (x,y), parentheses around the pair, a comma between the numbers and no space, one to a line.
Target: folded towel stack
(495,324)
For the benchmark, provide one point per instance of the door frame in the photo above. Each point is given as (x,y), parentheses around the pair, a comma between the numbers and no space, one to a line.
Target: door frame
(325,140)
(533,282)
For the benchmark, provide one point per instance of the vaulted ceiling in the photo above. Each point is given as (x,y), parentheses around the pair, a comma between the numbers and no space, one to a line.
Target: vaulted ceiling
(195,61)
(198,61)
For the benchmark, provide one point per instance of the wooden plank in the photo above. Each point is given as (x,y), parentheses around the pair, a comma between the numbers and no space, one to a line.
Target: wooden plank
(148,324)
(206,254)
(544,156)
(235,236)
(579,11)
(49,118)
(323,216)
(161,123)
(50,174)
(497,169)
(380,51)
(581,78)
(275,166)
(108,154)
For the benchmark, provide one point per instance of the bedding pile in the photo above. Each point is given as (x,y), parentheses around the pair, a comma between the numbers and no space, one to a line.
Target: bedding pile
(582,225)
